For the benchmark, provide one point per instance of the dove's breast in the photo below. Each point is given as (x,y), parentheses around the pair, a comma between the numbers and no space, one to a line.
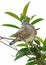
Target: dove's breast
(32,31)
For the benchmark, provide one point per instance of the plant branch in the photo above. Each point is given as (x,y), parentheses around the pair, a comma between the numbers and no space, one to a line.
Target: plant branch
(5,38)
(38,51)
(41,58)
(9,46)
(12,47)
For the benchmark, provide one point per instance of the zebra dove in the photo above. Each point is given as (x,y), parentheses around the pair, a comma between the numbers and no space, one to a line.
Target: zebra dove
(26,33)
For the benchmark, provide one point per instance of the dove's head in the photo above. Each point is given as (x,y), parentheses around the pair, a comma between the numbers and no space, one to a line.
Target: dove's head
(24,22)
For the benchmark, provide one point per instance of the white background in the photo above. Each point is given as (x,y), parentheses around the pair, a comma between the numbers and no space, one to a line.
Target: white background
(37,7)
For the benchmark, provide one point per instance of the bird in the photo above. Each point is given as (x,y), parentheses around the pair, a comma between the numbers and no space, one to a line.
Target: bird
(26,33)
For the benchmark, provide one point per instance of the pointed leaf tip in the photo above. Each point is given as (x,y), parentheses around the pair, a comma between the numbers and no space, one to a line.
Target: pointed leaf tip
(25,9)
(32,17)
(11,25)
(13,15)
(37,28)
(22,52)
(40,39)
(37,20)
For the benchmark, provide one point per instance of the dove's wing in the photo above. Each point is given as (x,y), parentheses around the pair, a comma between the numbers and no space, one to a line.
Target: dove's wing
(26,33)
(22,34)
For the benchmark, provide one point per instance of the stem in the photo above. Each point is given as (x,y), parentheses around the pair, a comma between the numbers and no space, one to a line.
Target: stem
(41,58)
(5,38)
(9,46)
(29,49)
(12,47)
(37,48)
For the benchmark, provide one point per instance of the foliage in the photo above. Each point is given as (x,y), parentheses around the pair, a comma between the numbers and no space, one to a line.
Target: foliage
(23,16)
(13,15)
(38,51)
(11,25)
(37,20)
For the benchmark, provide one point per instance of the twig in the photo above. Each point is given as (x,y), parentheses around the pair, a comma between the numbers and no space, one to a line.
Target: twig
(13,48)
(5,38)
(41,58)
(9,46)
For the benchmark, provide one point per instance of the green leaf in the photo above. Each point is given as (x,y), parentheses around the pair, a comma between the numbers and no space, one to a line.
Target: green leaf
(30,63)
(25,52)
(13,15)
(11,25)
(35,51)
(44,42)
(32,17)
(31,59)
(37,41)
(22,44)
(44,45)
(37,28)
(38,62)
(37,20)
(43,48)
(40,39)
(44,56)
(34,62)
(45,63)
(21,18)
(27,18)
(25,9)
(21,53)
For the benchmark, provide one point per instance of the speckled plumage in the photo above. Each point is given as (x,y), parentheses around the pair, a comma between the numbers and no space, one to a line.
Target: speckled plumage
(26,33)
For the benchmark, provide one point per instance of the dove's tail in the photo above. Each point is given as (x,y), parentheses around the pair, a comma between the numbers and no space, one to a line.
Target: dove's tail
(13,42)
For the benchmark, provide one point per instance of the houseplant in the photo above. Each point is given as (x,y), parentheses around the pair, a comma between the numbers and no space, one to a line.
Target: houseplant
(38,51)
